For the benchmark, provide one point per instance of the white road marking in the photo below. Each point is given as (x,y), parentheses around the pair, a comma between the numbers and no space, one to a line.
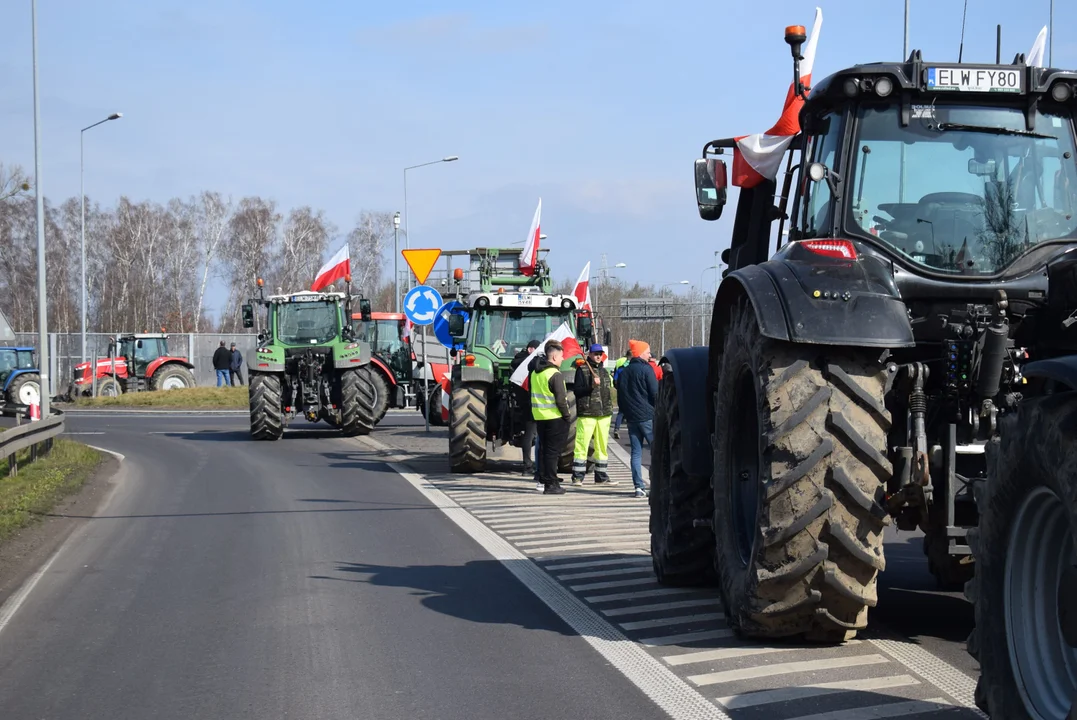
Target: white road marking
(119,456)
(613,584)
(761,671)
(765,697)
(634,560)
(643,568)
(578,546)
(685,638)
(8,609)
(657,592)
(84,433)
(669,621)
(661,607)
(939,673)
(881,711)
(672,694)
(613,532)
(729,653)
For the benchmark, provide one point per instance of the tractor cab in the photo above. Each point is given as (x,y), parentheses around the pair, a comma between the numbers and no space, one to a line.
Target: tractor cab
(385,331)
(20,381)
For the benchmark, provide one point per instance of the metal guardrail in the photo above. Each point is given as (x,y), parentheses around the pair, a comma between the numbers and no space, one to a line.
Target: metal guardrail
(36,435)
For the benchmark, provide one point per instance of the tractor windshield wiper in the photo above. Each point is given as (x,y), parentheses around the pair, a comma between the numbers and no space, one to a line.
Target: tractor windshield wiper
(993,130)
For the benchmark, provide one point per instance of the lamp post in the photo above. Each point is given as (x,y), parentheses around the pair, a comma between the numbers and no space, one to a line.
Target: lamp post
(82,223)
(661,291)
(42,308)
(703,302)
(407,235)
(396,261)
(603,276)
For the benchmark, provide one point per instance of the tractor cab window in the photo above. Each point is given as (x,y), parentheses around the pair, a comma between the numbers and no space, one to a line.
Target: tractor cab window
(8,362)
(963,189)
(388,336)
(24,360)
(306,323)
(817,201)
(506,332)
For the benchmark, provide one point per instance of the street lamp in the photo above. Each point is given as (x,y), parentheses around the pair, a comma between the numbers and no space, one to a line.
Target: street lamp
(660,292)
(396,261)
(82,195)
(703,301)
(448,158)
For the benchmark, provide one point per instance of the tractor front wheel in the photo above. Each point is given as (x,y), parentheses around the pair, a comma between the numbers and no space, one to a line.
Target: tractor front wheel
(25,390)
(172,377)
(799,473)
(267,416)
(467,428)
(383,392)
(109,387)
(358,395)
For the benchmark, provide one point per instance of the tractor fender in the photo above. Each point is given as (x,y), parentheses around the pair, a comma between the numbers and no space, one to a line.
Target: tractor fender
(690,371)
(153,366)
(823,302)
(1060,370)
(381,366)
(472,374)
(352,357)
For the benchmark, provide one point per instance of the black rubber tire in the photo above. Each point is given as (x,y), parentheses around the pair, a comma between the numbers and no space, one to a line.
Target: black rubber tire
(433,400)
(17,384)
(357,397)
(1035,448)
(383,392)
(109,387)
(467,428)
(564,463)
(171,370)
(817,539)
(682,553)
(267,415)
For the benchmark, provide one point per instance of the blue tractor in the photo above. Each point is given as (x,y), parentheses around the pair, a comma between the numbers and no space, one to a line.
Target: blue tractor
(20,379)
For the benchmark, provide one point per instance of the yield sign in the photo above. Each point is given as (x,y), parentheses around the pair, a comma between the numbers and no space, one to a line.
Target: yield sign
(421,262)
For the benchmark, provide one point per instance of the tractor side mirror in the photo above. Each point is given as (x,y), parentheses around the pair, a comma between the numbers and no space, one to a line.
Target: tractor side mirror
(138,344)
(607,337)
(364,309)
(711,182)
(248,316)
(584,326)
(456,325)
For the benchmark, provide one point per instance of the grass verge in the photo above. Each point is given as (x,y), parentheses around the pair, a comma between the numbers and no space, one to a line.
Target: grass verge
(39,485)
(201,397)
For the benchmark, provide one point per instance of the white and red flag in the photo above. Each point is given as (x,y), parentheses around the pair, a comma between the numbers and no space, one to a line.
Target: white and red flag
(338,268)
(583,288)
(758,157)
(562,334)
(529,257)
(1035,55)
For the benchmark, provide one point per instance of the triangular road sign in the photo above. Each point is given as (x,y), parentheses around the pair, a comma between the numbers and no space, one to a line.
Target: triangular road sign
(421,262)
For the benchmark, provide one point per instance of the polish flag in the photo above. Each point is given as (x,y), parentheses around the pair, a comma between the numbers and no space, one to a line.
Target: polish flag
(563,334)
(529,257)
(1035,55)
(338,268)
(583,288)
(758,157)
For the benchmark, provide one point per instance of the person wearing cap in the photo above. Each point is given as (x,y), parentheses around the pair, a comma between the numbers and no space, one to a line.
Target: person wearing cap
(523,403)
(236,365)
(637,391)
(593,388)
(549,407)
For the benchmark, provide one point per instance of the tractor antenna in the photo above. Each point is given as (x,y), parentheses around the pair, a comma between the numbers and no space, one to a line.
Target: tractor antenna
(961,48)
(998,44)
(795,35)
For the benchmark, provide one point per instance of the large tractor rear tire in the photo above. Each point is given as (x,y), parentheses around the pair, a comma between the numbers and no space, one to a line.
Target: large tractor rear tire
(467,428)
(383,393)
(172,377)
(358,396)
(267,416)
(681,552)
(799,475)
(25,390)
(1025,587)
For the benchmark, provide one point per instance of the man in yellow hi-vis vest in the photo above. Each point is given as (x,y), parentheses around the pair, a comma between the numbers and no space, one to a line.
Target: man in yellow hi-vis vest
(549,408)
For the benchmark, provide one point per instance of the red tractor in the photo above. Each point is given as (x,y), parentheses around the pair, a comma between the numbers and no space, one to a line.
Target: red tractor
(137,363)
(391,355)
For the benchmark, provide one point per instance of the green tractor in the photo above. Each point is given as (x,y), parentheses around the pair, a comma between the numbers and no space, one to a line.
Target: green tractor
(506,309)
(308,363)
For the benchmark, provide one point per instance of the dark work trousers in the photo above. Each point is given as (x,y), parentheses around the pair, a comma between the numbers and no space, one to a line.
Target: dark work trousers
(237,374)
(552,434)
(527,442)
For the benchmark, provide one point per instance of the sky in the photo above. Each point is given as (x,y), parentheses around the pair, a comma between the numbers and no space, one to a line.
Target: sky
(600,108)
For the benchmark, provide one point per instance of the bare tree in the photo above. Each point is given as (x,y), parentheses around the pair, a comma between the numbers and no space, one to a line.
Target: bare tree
(303,242)
(249,244)
(212,222)
(13,182)
(367,242)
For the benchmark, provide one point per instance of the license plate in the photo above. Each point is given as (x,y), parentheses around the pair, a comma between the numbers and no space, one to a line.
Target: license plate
(974,79)
(524,299)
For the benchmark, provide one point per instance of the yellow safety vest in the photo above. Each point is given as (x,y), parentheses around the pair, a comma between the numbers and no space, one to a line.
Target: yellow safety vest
(543,402)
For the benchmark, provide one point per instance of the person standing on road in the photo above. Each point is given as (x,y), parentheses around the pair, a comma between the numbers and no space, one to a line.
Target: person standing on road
(593,388)
(636,395)
(549,408)
(618,368)
(523,403)
(222,363)
(236,366)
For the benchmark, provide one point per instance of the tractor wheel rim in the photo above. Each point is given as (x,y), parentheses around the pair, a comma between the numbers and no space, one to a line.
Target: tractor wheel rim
(173,383)
(744,483)
(30,394)
(1040,548)
(109,390)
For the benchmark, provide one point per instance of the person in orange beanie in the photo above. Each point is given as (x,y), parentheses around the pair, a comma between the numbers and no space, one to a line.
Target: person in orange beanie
(637,390)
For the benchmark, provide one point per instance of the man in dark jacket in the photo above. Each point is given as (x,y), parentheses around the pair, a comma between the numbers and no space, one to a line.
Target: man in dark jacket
(637,391)
(549,407)
(523,403)
(222,363)
(593,388)
(236,366)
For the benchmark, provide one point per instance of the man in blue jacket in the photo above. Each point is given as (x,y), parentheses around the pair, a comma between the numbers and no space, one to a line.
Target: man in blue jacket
(637,390)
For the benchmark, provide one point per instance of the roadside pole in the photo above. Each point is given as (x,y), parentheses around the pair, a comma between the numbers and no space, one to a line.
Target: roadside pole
(426,373)
(422,261)
(42,298)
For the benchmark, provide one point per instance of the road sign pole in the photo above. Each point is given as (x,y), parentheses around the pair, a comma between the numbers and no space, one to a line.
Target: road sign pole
(426,374)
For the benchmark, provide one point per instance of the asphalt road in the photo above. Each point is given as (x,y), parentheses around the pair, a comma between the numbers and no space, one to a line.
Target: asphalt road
(305,578)
(232,579)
